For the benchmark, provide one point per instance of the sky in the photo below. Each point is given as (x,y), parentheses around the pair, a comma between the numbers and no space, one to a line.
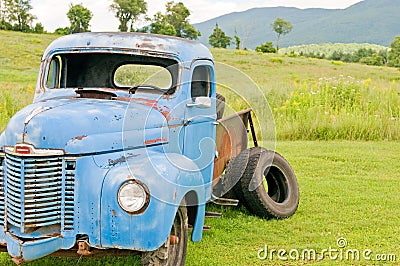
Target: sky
(52,13)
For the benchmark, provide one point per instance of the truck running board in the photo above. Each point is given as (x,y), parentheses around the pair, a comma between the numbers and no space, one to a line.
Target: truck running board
(213,215)
(225,202)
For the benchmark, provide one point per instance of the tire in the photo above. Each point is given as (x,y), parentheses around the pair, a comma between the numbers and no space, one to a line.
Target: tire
(171,254)
(269,186)
(220,105)
(233,173)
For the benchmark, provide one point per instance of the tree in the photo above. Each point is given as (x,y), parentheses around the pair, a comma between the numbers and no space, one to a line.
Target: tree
(267,47)
(128,12)
(16,12)
(63,31)
(160,26)
(237,40)
(281,27)
(394,53)
(39,28)
(218,39)
(176,17)
(79,18)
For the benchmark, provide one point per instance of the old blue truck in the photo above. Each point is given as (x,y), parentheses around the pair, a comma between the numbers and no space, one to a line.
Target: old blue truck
(105,161)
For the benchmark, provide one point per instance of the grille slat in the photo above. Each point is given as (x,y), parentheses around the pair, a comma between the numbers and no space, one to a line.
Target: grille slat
(34,211)
(1,191)
(42,169)
(43,215)
(56,200)
(46,195)
(44,180)
(40,185)
(36,190)
(36,196)
(40,224)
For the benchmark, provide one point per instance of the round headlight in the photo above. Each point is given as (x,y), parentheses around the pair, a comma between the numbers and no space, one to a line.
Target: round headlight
(133,197)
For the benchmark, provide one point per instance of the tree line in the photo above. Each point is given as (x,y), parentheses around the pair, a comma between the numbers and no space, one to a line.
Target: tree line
(16,15)
(369,56)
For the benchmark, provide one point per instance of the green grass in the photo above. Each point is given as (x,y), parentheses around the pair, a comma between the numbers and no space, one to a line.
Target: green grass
(347,189)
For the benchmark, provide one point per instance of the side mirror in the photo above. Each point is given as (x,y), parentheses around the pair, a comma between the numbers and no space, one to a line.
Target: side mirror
(202,101)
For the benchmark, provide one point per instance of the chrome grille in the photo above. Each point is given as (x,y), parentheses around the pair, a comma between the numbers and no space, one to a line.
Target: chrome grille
(36,192)
(1,192)
(69,195)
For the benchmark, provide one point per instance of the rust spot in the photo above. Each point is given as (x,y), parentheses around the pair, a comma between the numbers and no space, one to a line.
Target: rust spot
(122,99)
(173,240)
(164,110)
(83,248)
(114,213)
(144,101)
(17,261)
(79,137)
(153,141)
(54,235)
(175,125)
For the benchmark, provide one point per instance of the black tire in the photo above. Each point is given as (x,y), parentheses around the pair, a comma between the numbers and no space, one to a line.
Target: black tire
(233,173)
(269,186)
(220,105)
(171,254)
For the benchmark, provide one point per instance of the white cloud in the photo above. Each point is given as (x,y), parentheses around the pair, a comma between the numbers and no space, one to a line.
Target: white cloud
(52,13)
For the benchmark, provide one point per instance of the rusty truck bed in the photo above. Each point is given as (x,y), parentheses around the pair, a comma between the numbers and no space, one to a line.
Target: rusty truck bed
(231,139)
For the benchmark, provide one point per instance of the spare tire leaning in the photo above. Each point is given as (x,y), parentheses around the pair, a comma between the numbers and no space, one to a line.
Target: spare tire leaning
(269,185)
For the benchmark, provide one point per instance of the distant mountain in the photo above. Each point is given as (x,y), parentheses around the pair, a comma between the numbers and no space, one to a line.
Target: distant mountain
(369,21)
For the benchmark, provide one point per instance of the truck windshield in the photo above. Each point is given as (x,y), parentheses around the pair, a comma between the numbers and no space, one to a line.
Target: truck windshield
(108,70)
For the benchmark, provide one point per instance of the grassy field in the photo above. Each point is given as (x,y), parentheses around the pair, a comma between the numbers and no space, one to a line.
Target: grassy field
(349,189)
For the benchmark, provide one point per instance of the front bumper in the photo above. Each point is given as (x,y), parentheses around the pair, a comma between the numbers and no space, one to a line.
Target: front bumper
(30,250)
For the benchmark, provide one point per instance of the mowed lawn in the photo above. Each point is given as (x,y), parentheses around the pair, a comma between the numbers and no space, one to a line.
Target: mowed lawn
(349,190)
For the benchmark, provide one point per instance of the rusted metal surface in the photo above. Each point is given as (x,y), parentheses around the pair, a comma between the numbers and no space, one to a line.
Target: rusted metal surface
(83,248)
(173,240)
(17,261)
(231,139)
(95,253)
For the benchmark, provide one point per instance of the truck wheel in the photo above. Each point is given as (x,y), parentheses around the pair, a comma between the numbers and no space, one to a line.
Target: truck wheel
(269,185)
(173,252)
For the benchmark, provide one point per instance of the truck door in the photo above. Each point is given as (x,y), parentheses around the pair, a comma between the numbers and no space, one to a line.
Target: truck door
(200,117)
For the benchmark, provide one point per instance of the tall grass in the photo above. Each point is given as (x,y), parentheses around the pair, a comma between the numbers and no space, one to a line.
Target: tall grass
(310,98)
(338,108)
(13,99)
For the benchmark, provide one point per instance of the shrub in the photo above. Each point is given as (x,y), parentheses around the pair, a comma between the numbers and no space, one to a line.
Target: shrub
(266,48)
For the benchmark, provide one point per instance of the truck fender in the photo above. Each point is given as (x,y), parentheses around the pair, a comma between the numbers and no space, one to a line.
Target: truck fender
(167,183)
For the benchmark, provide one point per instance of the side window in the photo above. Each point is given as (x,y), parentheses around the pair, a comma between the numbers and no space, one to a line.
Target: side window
(201,82)
(54,75)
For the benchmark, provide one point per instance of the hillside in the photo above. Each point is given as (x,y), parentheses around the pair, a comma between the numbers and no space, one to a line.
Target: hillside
(369,21)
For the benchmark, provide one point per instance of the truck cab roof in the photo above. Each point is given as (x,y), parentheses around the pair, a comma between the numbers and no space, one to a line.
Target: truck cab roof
(182,49)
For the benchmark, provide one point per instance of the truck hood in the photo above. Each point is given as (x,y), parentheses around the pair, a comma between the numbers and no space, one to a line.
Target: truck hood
(81,126)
